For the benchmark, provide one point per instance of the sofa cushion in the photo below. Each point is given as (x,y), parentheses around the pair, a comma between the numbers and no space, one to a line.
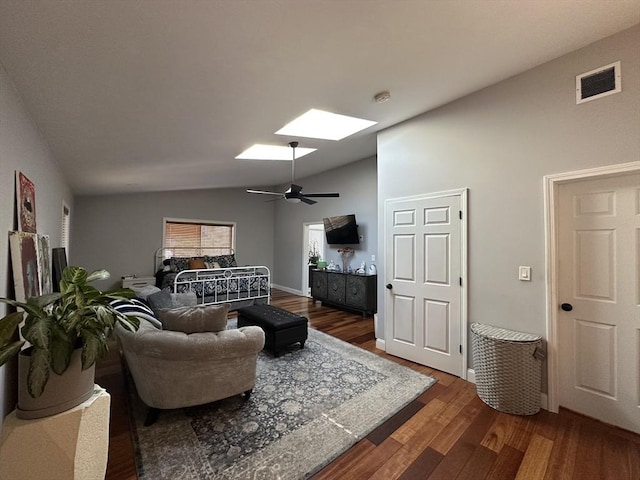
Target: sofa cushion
(209,318)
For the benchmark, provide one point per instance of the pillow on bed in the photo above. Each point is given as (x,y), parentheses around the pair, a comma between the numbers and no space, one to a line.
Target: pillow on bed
(196,264)
(136,308)
(212,264)
(209,318)
(179,264)
(225,261)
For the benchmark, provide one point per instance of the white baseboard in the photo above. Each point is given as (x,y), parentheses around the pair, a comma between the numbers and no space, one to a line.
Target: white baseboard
(289,290)
(380,343)
(471,375)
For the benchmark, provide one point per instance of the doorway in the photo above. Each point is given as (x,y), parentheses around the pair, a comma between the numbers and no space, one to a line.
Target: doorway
(313,243)
(425,263)
(593,309)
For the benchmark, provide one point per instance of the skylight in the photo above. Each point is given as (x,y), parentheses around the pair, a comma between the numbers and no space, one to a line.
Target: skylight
(273,152)
(324,125)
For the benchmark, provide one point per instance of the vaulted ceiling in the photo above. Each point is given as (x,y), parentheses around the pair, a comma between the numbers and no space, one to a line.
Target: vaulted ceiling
(147,95)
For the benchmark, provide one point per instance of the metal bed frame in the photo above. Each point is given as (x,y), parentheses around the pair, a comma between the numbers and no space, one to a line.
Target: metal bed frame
(218,280)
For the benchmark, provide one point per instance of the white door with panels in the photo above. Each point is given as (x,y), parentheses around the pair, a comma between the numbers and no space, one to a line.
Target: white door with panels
(598,323)
(424,270)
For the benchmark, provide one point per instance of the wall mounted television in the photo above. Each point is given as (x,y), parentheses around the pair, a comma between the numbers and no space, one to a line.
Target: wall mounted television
(341,230)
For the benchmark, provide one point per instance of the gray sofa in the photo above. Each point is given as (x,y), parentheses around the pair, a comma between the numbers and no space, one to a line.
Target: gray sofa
(174,369)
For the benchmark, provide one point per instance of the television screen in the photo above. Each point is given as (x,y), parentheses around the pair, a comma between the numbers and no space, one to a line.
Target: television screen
(341,230)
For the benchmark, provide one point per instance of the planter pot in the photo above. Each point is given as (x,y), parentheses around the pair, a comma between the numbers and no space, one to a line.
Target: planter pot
(61,392)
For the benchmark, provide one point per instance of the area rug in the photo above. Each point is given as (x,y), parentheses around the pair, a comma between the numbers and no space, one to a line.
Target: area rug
(307,408)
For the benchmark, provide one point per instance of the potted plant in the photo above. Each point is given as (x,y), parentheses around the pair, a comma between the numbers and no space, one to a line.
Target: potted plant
(68,331)
(314,253)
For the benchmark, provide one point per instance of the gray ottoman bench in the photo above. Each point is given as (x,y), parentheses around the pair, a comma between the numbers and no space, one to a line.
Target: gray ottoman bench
(281,328)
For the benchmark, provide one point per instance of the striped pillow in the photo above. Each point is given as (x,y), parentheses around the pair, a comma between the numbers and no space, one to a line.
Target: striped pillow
(136,308)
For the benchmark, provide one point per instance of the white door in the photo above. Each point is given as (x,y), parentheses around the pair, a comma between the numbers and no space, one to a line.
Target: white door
(599,295)
(423,313)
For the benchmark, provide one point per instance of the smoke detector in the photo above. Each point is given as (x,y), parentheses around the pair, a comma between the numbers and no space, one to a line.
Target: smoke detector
(382,97)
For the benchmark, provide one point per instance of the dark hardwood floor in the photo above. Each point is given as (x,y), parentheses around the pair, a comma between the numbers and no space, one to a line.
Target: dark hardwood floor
(447,433)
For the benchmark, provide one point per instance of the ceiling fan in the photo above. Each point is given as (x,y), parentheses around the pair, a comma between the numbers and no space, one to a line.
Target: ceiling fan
(294,193)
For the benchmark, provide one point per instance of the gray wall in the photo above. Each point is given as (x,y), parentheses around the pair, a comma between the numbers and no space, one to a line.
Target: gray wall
(22,148)
(500,142)
(121,233)
(356,183)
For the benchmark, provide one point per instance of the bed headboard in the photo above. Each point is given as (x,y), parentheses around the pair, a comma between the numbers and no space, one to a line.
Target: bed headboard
(167,252)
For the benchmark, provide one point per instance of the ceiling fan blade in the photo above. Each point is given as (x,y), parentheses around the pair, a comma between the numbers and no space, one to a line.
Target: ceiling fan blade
(325,195)
(294,192)
(263,192)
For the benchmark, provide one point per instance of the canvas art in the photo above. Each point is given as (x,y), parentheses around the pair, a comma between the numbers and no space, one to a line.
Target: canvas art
(24,260)
(44,264)
(26,198)
(59,261)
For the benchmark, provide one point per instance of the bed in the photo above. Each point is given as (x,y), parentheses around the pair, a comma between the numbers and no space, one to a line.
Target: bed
(214,276)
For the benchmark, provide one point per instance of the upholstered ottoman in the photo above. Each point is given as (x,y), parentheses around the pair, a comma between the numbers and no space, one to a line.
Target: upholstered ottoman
(281,328)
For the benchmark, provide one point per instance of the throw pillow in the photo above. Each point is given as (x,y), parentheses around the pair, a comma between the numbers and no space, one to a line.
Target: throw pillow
(212,264)
(144,292)
(209,318)
(196,264)
(186,299)
(159,301)
(136,308)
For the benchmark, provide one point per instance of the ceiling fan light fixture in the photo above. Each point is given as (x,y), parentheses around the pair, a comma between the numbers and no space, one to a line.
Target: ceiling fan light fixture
(324,125)
(272,152)
(292,199)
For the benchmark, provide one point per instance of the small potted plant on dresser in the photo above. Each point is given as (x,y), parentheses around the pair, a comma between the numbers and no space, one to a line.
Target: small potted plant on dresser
(314,253)
(68,332)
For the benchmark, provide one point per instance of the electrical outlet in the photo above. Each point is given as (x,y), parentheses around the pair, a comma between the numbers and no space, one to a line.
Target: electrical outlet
(373,258)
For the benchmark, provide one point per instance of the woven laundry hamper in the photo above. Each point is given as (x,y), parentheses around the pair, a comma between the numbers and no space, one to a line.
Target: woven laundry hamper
(508,367)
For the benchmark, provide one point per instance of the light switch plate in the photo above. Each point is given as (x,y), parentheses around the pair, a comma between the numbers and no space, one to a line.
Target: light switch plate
(524,274)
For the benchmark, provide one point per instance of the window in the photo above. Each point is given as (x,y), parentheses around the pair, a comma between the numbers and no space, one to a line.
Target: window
(64,227)
(191,236)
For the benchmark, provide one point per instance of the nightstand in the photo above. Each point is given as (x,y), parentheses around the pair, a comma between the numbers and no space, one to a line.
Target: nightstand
(137,282)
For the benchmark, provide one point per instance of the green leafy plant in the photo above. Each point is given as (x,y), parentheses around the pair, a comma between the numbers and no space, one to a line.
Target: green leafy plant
(57,323)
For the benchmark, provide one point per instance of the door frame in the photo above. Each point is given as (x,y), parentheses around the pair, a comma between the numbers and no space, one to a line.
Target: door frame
(463,194)
(305,256)
(551,184)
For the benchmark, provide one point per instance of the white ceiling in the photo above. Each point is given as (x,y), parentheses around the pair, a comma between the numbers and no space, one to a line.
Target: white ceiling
(146,95)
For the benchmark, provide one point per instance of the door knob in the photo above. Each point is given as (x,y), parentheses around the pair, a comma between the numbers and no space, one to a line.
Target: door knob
(389,286)
(567,307)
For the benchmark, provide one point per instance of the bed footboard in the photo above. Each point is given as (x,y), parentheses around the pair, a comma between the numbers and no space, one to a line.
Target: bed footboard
(238,286)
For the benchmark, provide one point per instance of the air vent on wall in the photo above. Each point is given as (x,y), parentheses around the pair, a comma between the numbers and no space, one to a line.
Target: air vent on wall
(598,83)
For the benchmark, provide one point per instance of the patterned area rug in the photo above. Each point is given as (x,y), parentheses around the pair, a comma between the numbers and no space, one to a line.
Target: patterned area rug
(307,408)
